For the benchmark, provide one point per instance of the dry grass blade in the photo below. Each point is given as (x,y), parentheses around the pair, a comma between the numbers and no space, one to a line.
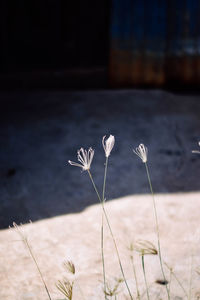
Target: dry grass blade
(26,243)
(69,266)
(145,247)
(66,288)
(113,291)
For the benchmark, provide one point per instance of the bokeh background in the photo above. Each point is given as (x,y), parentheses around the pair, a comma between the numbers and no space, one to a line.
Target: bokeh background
(89,44)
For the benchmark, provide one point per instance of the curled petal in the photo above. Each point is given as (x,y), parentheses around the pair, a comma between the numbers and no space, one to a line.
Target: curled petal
(74,164)
(142,152)
(108,144)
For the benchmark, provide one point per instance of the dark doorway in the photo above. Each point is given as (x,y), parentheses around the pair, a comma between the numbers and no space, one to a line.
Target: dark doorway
(39,38)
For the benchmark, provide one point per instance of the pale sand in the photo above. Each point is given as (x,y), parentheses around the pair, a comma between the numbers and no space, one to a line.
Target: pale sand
(76,237)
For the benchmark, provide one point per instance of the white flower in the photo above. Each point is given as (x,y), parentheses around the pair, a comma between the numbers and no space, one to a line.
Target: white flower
(108,144)
(85,158)
(142,152)
(196,151)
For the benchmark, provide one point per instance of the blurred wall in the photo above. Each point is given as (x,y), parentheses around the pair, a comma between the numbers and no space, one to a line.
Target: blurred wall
(73,44)
(155,43)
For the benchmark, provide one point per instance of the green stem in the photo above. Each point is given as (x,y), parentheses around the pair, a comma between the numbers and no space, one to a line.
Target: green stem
(110,229)
(102,252)
(145,279)
(32,256)
(180,284)
(102,229)
(102,256)
(157,229)
(94,185)
(119,260)
(104,180)
(135,276)
(170,280)
(178,281)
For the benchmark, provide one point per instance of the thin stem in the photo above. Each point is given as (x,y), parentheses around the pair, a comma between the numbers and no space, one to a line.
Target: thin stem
(135,276)
(170,279)
(157,229)
(180,284)
(178,281)
(101,201)
(102,256)
(190,282)
(32,256)
(94,185)
(145,279)
(102,229)
(119,260)
(104,180)
(110,229)
(143,293)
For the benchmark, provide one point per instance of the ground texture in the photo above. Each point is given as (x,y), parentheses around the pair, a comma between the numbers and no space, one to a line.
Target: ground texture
(40,131)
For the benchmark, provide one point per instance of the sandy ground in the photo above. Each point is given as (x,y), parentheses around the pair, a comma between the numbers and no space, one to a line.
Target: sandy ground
(40,131)
(76,237)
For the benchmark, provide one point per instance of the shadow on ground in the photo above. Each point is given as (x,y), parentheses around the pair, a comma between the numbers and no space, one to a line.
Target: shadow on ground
(40,131)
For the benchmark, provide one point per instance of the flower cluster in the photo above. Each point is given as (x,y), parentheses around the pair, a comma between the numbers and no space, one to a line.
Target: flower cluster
(85,157)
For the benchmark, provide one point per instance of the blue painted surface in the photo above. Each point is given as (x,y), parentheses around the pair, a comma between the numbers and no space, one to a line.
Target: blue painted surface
(156,25)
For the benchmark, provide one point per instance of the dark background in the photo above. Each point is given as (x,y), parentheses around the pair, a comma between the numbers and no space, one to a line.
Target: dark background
(58,61)
(100,44)
(54,42)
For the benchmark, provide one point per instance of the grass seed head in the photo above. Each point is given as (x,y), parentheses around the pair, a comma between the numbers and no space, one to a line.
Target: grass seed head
(69,266)
(66,288)
(20,232)
(113,290)
(145,248)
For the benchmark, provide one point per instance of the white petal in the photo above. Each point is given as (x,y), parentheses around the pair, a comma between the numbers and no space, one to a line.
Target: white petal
(74,164)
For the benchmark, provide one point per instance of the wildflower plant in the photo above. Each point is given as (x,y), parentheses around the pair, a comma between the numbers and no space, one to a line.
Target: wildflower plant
(86,159)
(143,247)
(142,152)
